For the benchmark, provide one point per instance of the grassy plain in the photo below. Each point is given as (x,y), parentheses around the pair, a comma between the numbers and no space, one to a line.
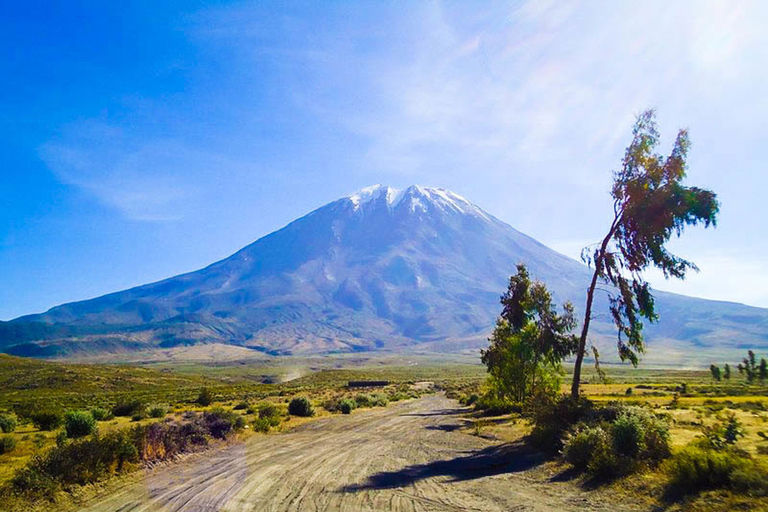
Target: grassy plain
(690,397)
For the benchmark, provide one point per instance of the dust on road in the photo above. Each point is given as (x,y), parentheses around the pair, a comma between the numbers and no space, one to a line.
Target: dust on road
(406,457)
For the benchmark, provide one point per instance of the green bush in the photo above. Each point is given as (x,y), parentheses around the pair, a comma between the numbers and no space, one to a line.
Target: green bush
(604,462)
(79,424)
(100,414)
(220,422)
(494,406)
(346,405)
(300,406)
(128,409)
(269,410)
(379,400)
(580,446)
(696,467)
(157,411)
(76,463)
(553,418)
(205,398)
(261,425)
(47,420)
(628,434)
(362,400)
(7,444)
(7,423)
(240,406)
(141,415)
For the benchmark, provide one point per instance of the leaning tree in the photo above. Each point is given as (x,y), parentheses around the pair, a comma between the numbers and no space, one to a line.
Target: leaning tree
(650,204)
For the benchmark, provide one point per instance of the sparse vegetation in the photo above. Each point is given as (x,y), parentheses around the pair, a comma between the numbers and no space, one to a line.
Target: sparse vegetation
(301,406)
(47,420)
(7,423)
(79,424)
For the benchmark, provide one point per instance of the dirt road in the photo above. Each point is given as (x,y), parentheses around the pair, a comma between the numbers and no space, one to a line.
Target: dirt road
(406,457)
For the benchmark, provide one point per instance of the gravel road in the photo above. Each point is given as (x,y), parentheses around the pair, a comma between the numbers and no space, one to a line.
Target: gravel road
(406,457)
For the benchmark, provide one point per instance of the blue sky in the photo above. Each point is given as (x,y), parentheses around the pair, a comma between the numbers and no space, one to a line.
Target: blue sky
(141,140)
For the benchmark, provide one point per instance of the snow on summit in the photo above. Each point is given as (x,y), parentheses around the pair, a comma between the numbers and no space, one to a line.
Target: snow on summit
(417,197)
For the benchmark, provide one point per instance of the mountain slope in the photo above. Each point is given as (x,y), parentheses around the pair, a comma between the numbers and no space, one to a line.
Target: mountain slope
(379,269)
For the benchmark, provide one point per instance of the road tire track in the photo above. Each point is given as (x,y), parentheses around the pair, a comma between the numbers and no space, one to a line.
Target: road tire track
(406,458)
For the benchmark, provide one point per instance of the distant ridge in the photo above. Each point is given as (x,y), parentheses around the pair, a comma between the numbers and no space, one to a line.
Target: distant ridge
(382,269)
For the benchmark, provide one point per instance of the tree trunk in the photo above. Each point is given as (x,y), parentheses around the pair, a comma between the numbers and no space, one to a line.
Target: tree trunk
(588,310)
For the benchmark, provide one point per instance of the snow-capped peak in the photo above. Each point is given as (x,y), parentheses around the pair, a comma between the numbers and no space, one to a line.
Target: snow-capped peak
(418,197)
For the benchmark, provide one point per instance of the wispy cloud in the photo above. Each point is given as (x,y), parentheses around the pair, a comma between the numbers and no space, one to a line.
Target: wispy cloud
(145,179)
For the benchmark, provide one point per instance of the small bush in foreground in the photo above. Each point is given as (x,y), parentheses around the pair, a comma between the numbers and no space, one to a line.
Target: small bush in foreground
(241,406)
(7,423)
(695,468)
(7,444)
(100,414)
(79,424)
(129,409)
(362,400)
(47,420)
(493,406)
(269,410)
(346,405)
(158,411)
(205,398)
(628,435)
(580,446)
(221,422)
(301,406)
(261,425)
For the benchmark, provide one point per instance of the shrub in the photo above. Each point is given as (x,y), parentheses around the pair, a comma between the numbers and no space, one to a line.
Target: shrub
(604,462)
(79,424)
(346,405)
(300,406)
(261,425)
(697,467)
(379,400)
(78,462)
(552,418)
(158,411)
(100,414)
(7,444)
(205,398)
(269,410)
(141,415)
(46,420)
(656,439)
(240,406)
(494,406)
(221,422)
(131,408)
(628,434)
(363,400)
(580,446)
(7,423)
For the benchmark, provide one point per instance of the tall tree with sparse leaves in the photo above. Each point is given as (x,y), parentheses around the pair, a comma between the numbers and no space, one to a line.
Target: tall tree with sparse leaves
(650,204)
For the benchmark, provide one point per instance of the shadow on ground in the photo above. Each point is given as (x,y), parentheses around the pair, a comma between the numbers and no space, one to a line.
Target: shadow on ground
(494,460)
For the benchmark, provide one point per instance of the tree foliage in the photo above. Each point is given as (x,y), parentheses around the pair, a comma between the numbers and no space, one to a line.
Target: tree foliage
(715,370)
(530,340)
(650,204)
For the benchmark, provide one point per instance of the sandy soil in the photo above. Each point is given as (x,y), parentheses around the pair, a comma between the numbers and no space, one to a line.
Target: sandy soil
(406,457)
